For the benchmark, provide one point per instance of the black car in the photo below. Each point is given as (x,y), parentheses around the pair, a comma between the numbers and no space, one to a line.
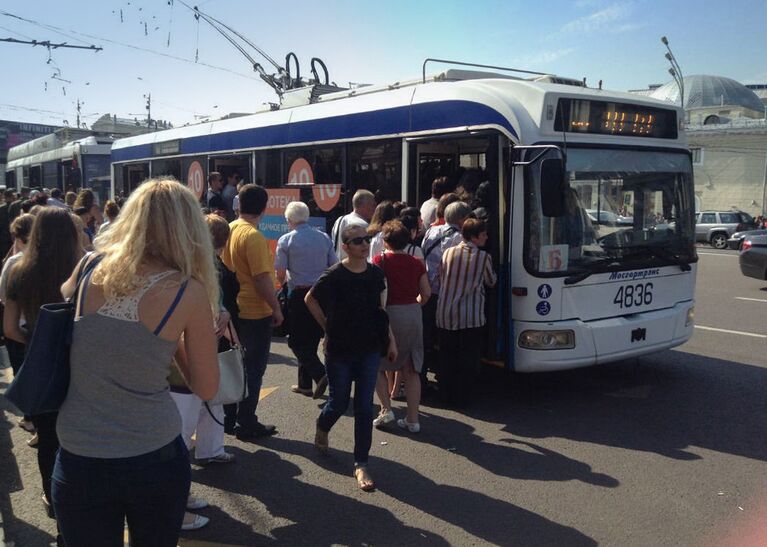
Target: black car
(736,240)
(753,257)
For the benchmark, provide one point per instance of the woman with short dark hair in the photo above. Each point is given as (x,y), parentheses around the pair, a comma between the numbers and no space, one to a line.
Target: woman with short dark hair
(464,273)
(407,289)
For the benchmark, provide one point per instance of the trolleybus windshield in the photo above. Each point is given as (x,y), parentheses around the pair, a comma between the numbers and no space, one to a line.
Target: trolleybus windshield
(625,209)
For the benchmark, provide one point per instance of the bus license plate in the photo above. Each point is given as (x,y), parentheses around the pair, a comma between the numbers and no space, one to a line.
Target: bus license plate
(633,296)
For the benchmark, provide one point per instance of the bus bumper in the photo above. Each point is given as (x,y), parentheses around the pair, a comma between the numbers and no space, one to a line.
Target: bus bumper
(607,340)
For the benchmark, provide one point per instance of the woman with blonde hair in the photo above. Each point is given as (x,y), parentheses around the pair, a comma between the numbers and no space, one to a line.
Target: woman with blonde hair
(122,456)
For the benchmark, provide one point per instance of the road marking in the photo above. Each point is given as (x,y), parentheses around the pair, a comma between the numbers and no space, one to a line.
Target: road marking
(752,334)
(719,254)
(266,391)
(750,299)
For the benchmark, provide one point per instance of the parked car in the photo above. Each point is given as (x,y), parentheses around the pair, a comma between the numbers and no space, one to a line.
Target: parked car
(753,257)
(736,241)
(716,227)
(608,218)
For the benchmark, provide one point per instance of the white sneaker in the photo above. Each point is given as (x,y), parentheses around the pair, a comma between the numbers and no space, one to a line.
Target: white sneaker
(198,522)
(193,503)
(413,428)
(384,417)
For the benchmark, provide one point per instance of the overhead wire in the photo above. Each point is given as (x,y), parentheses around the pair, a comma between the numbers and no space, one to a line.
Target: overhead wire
(17,33)
(210,19)
(52,28)
(132,46)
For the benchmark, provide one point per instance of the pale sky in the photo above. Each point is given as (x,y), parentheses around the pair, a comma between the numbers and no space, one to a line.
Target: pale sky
(150,46)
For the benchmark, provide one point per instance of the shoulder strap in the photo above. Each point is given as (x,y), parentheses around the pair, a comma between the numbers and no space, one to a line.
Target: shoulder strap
(337,231)
(172,307)
(83,278)
(447,233)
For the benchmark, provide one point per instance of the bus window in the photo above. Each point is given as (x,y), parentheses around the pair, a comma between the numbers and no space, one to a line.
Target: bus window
(376,166)
(229,165)
(313,166)
(167,168)
(318,175)
(10,180)
(95,167)
(50,174)
(268,169)
(71,176)
(133,175)
(33,176)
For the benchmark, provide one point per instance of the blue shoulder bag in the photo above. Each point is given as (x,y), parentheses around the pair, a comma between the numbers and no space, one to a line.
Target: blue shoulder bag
(42,382)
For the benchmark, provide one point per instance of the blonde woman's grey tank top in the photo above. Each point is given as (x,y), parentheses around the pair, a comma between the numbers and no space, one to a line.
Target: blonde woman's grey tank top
(119,404)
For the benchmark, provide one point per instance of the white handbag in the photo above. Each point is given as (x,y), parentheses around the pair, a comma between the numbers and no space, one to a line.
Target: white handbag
(233,379)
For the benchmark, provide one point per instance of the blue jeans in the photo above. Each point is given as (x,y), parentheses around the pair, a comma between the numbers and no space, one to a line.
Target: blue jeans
(92,497)
(342,371)
(256,337)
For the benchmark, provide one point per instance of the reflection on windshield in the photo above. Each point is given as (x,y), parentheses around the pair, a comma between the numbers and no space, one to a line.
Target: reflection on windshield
(618,203)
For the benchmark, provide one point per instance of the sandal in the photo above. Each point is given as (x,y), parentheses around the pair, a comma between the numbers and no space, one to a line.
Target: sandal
(303,391)
(321,440)
(364,480)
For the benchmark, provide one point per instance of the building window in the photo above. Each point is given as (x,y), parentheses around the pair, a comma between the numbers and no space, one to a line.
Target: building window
(697,156)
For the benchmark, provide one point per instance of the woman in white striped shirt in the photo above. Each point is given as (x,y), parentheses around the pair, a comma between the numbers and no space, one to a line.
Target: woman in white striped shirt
(464,273)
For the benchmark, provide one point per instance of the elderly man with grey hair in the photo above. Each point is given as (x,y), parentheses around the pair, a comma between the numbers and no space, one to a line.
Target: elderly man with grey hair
(302,256)
(364,205)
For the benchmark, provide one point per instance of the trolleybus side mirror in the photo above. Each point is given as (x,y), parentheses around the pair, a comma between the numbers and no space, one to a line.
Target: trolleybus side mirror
(553,187)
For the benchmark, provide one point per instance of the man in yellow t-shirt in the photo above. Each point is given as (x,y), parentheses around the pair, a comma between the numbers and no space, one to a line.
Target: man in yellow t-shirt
(247,255)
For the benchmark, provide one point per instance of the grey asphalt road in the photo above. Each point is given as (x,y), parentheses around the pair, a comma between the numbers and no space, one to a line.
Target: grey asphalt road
(664,450)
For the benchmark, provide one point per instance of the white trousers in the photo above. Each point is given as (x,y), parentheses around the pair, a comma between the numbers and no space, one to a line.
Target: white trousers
(209,441)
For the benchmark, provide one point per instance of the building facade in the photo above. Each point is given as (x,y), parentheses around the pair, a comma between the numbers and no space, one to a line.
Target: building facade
(727,135)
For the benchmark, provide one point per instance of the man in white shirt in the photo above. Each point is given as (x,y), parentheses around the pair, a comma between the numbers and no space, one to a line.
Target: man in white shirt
(429,207)
(364,205)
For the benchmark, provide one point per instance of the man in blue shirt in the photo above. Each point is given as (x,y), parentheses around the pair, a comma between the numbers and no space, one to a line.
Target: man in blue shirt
(302,256)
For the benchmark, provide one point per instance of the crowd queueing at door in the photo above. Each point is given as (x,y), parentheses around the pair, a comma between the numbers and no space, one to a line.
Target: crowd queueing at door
(162,285)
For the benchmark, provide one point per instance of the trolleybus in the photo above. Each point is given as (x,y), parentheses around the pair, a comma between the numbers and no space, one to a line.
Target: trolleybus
(67,159)
(576,286)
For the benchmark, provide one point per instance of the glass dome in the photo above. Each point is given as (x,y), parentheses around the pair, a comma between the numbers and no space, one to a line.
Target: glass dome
(702,91)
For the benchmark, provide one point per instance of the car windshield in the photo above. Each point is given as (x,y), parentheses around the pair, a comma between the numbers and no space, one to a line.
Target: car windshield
(624,209)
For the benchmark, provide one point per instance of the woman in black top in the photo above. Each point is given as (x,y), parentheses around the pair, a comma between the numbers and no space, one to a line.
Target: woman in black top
(347,302)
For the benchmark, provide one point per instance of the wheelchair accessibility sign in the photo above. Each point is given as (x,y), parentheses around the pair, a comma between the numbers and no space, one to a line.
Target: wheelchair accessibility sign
(543,308)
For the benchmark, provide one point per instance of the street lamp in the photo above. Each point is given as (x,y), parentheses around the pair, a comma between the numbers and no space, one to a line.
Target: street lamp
(675,71)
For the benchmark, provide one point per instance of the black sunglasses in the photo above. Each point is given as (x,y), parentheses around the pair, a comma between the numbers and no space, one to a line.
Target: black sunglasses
(359,240)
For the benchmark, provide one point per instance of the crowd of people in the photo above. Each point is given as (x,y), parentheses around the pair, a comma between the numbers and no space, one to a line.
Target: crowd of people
(162,285)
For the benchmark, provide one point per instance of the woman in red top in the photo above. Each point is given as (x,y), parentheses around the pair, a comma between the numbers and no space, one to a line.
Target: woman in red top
(407,290)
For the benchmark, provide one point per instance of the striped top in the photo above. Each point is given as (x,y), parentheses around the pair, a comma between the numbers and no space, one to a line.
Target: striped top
(464,272)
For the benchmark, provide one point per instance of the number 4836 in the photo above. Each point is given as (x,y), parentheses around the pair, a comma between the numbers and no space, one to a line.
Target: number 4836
(629,296)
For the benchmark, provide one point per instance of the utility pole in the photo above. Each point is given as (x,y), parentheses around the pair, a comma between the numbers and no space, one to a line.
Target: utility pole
(79,104)
(676,72)
(148,110)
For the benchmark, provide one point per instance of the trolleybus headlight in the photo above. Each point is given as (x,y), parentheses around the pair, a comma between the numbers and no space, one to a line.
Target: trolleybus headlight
(690,317)
(547,339)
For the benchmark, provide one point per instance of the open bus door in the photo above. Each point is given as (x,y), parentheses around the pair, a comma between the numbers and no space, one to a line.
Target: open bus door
(475,159)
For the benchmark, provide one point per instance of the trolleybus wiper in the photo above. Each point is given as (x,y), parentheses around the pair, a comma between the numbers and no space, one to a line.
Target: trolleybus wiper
(583,274)
(662,253)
